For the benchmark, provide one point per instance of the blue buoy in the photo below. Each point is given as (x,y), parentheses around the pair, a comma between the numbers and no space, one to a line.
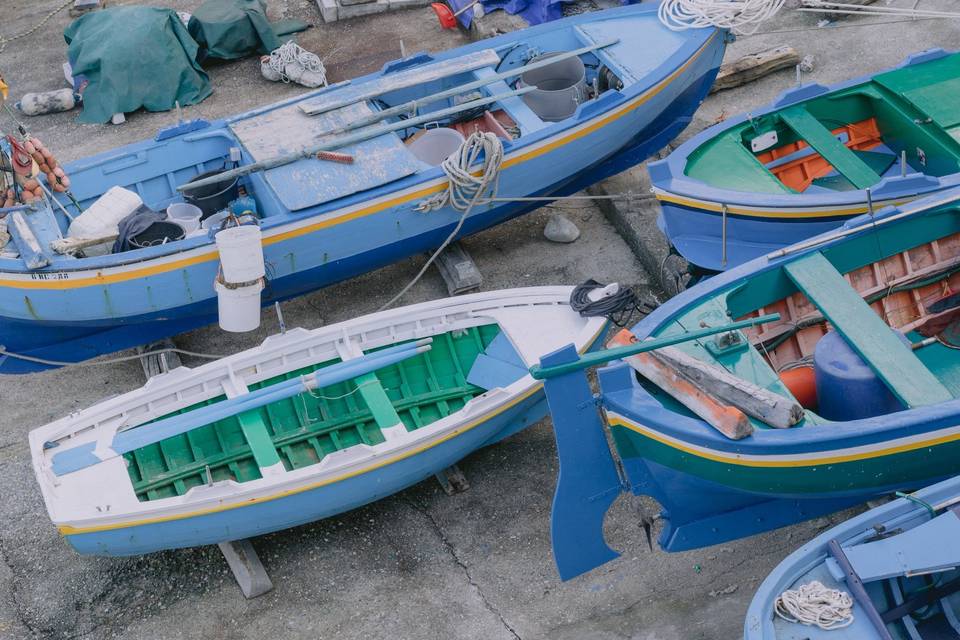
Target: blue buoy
(847,388)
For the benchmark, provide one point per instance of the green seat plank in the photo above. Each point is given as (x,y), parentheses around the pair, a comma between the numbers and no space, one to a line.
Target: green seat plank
(826,144)
(261,444)
(380,406)
(893,361)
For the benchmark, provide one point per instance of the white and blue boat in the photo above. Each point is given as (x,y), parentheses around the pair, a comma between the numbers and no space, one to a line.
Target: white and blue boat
(897,565)
(307,425)
(810,161)
(323,221)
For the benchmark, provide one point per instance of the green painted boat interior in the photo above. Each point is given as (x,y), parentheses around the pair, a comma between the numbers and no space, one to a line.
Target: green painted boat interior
(920,377)
(302,430)
(914,109)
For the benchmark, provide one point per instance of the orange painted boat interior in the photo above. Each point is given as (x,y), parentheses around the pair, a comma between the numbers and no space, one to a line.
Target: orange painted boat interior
(800,173)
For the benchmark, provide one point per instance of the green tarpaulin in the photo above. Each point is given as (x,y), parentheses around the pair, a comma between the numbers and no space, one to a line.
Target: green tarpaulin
(133,57)
(231,29)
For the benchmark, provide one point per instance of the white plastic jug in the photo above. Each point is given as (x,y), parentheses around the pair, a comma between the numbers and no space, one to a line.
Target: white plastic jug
(241,254)
(239,308)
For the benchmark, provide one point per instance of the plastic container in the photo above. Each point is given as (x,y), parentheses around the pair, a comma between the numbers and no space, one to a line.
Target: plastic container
(847,388)
(560,87)
(102,217)
(214,221)
(158,233)
(213,197)
(241,254)
(238,309)
(434,146)
(35,104)
(186,215)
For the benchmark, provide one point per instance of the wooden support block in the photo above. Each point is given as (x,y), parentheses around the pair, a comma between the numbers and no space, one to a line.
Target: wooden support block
(452,480)
(252,577)
(154,365)
(754,66)
(458,269)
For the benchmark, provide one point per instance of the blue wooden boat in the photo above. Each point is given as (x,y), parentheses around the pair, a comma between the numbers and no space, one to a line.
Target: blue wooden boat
(803,164)
(898,564)
(307,425)
(323,221)
(841,385)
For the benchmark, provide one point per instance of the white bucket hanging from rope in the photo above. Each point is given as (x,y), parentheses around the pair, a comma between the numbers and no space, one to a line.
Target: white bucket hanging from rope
(240,281)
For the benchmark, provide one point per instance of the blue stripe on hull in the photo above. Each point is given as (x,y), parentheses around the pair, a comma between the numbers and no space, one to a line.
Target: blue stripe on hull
(308,506)
(288,278)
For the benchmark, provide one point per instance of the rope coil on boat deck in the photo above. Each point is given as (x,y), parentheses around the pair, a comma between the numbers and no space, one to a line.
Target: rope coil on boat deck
(816,605)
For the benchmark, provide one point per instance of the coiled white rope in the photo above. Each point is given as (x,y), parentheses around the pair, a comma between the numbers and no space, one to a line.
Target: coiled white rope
(464,190)
(815,604)
(743,17)
(290,62)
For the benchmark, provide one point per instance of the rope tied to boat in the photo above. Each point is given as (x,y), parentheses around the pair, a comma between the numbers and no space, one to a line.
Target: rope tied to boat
(814,604)
(464,187)
(743,17)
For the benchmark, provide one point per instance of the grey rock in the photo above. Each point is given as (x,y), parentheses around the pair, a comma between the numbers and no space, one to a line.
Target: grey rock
(807,64)
(559,228)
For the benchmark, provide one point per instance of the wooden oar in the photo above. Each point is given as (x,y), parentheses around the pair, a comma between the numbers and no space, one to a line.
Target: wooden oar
(413,105)
(607,355)
(343,141)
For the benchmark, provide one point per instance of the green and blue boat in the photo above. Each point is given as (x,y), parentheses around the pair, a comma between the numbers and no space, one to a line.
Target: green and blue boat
(852,340)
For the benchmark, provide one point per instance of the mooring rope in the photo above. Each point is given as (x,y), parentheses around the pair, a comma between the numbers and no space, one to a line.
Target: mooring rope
(292,53)
(816,605)
(743,17)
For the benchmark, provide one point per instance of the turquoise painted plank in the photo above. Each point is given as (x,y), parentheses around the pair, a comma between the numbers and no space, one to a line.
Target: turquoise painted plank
(908,378)
(373,393)
(833,151)
(261,444)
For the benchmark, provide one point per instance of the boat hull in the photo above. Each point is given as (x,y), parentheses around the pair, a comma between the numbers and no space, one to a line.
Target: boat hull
(246,519)
(71,316)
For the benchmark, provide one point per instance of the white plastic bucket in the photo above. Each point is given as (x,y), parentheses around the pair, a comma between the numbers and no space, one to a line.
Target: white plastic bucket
(239,309)
(241,254)
(433,146)
(214,221)
(186,215)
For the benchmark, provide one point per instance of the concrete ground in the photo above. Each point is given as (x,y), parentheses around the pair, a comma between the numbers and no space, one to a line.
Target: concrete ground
(419,564)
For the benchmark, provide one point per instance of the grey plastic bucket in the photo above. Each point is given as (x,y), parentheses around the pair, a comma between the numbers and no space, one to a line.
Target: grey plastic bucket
(560,87)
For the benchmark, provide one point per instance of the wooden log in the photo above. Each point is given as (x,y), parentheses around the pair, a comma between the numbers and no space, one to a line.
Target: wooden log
(753,66)
(728,420)
(762,404)
(820,4)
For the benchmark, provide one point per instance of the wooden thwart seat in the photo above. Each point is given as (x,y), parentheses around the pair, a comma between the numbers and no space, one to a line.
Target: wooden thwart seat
(832,150)
(893,361)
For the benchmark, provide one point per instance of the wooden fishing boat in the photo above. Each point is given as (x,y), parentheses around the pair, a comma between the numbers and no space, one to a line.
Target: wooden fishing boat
(326,221)
(897,563)
(860,325)
(304,426)
(802,165)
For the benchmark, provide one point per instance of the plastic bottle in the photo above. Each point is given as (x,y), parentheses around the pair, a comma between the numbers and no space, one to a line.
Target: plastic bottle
(243,204)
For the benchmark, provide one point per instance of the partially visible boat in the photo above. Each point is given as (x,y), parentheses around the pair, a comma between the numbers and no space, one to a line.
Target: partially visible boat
(305,426)
(797,384)
(802,165)
(629,86)
(899,564)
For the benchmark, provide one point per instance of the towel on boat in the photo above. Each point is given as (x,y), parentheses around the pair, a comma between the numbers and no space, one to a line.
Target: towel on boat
(126,58)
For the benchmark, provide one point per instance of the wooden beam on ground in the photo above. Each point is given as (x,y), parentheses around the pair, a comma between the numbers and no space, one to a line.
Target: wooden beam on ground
(452,480)
(458,269)
(754,66)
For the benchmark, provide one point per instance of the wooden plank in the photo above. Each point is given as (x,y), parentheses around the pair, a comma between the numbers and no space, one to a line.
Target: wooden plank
(762,404)
(402,80)
(728,420)
(753,66)
(893,361)
(826,144)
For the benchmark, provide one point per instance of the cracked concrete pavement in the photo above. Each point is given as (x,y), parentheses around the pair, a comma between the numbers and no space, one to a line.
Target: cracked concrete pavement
(420,564)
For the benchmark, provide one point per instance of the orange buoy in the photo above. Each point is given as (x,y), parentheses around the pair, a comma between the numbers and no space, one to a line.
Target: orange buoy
(802,384)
